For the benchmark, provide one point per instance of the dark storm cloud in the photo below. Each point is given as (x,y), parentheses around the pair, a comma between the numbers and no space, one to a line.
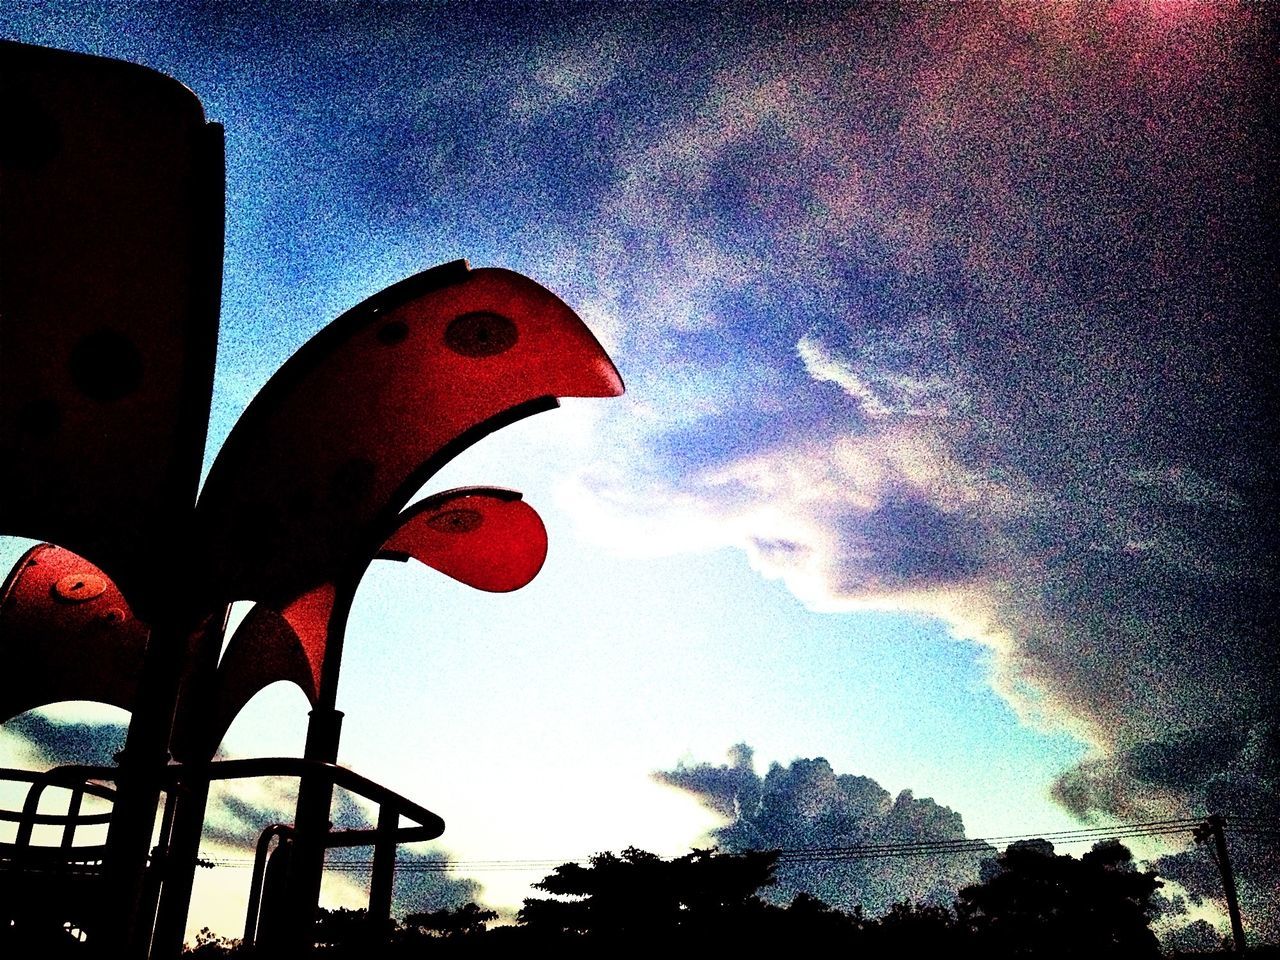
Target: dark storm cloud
(1200,936)
(1256,866)
(424,885)
(808,805)
(1225,768)
(59,742)
(1021,255)
(731,791)
(236,817)
(915,541)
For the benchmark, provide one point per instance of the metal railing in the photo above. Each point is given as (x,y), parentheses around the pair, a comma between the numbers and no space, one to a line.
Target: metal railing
(66,859)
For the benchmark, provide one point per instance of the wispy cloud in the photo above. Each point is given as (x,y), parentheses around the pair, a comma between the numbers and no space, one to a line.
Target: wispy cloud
(567,77)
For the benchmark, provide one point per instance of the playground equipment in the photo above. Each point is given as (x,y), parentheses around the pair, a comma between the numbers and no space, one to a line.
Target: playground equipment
(111,209)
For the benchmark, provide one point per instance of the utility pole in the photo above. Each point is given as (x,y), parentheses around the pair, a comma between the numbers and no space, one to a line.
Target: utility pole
(1214,828)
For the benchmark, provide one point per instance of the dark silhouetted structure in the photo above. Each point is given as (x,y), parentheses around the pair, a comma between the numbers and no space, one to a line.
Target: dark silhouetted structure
(111,213)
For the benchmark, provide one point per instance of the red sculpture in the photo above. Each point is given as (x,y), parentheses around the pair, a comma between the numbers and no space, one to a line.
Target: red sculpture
(110,257)
(486,538)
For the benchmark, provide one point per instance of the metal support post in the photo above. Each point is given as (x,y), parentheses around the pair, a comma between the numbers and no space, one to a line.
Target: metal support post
(1216,826)
(382,883)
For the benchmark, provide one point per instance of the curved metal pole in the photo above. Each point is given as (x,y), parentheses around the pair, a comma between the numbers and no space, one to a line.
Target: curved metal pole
(281,831)
(384,837)
(72,776)
(182,848)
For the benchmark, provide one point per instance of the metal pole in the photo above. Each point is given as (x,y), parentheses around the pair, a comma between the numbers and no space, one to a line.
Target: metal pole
(73,814)
(141,776)
(382,883)
(1217,825)
(254,907)
(183,849)
(315,792)
(306,863)
(182,842)
(158,870)
(271,934)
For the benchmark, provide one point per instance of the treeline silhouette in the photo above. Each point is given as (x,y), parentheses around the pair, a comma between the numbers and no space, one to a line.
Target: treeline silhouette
(1031,902)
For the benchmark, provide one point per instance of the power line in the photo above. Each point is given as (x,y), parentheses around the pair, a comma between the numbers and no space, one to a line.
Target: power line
(1255,826)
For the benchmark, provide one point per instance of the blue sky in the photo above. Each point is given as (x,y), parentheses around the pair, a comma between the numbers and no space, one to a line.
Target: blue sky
(946,448)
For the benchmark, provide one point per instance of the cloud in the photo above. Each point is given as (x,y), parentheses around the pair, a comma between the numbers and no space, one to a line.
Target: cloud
(59,742)
(1221,768)
(910,369)
(960,310)
(808,805)
(423,883)
(239,810)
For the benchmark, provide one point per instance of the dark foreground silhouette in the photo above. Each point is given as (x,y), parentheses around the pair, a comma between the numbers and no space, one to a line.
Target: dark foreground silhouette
(1031,903)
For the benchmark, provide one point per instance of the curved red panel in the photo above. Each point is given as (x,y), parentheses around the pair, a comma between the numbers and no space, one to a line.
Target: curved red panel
(310,617)
(110,266)
(309,483)
(66,633)
(263,649)
(488,539)
(485,537)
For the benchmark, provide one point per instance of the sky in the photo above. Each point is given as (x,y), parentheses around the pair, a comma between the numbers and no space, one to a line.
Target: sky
(946,463)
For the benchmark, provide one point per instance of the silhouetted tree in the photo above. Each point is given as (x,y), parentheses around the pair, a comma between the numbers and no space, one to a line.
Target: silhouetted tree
(208,944)
(1038,903)
(341,927)
(811,919)
(915,930)
(1031,903)
(468,920)
(640,895)
(211,946)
